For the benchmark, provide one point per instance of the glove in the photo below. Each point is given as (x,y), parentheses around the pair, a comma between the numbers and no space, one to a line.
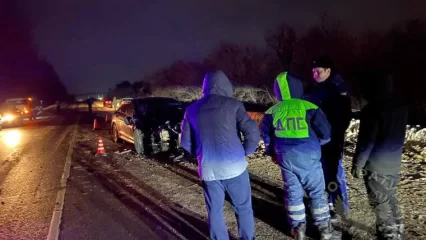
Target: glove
(356,171)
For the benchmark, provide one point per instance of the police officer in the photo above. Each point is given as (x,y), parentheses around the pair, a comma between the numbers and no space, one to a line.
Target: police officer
(293,131)
(332,96)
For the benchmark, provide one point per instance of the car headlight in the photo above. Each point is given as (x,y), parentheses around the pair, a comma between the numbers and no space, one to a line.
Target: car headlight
(8,117)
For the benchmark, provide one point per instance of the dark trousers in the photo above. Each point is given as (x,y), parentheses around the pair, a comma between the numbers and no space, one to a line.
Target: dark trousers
(334,175)
(381,190)
(239,190)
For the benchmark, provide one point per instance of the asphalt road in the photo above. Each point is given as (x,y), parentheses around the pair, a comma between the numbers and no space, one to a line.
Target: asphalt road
(32,162)
(32,159)
(95,206)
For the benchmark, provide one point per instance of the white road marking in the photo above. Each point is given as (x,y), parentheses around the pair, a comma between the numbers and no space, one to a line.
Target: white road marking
(60,197)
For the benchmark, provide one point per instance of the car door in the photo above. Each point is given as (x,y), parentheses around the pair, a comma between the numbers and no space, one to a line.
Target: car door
(119,120)
(128,129)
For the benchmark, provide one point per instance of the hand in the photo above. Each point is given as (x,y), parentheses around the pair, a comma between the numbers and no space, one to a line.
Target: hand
(356,171)
(274,159)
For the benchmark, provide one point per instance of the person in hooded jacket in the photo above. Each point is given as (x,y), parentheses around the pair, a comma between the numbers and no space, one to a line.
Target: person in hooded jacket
(332,96)
(378,152)
(293,131)
(211,130)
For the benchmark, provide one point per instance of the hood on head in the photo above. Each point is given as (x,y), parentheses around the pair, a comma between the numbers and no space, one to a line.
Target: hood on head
(287,86)
(217,83)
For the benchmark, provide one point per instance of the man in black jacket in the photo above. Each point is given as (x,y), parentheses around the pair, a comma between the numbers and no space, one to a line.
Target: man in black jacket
(332,95)
(378,153)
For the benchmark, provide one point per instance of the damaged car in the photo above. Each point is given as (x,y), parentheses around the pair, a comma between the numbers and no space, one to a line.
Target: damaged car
(152,124)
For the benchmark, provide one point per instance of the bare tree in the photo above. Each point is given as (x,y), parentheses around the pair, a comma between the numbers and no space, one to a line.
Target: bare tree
(283,42)
(185,94)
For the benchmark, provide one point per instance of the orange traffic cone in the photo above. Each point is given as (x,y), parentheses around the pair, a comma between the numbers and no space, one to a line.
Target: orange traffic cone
(101,150)
(95,124)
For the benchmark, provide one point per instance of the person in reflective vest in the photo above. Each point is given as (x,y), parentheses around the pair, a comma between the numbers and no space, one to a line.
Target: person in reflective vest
(293,131)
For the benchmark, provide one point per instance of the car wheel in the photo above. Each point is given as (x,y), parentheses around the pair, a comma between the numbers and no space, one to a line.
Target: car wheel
(115,135)
(138,141)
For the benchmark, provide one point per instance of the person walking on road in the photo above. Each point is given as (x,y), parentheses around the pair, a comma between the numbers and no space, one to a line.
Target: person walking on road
(378,153)
(293,131)
(211,130)
(332,96)
(89,104)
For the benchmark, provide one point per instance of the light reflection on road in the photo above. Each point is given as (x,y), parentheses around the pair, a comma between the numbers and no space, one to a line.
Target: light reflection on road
(11,138)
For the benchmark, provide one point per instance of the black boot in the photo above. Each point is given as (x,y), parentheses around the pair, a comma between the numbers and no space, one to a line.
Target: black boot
(328,232)
(299,233)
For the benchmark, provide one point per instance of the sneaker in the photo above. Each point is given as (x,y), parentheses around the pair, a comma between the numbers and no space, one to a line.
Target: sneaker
(299,233)
(389,232)
(399,225)
(328,232)
(400,230)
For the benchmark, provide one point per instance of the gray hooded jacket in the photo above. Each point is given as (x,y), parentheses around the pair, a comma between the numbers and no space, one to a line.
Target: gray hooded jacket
(212,127)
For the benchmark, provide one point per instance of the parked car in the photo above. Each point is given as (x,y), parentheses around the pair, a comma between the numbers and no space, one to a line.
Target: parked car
(148,122)
(11,116)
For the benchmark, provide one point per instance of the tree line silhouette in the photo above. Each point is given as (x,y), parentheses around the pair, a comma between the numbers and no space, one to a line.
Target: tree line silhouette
(399,51)
(23,72)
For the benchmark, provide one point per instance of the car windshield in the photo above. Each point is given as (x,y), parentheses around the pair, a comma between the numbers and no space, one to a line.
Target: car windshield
(17,102)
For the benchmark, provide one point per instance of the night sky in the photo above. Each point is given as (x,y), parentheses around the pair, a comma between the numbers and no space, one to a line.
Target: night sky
(94,44)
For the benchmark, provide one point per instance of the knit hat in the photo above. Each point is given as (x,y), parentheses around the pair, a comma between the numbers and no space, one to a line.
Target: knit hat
(323,62)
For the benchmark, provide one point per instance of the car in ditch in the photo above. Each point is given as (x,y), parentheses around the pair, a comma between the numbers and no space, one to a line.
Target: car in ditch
(152,124)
